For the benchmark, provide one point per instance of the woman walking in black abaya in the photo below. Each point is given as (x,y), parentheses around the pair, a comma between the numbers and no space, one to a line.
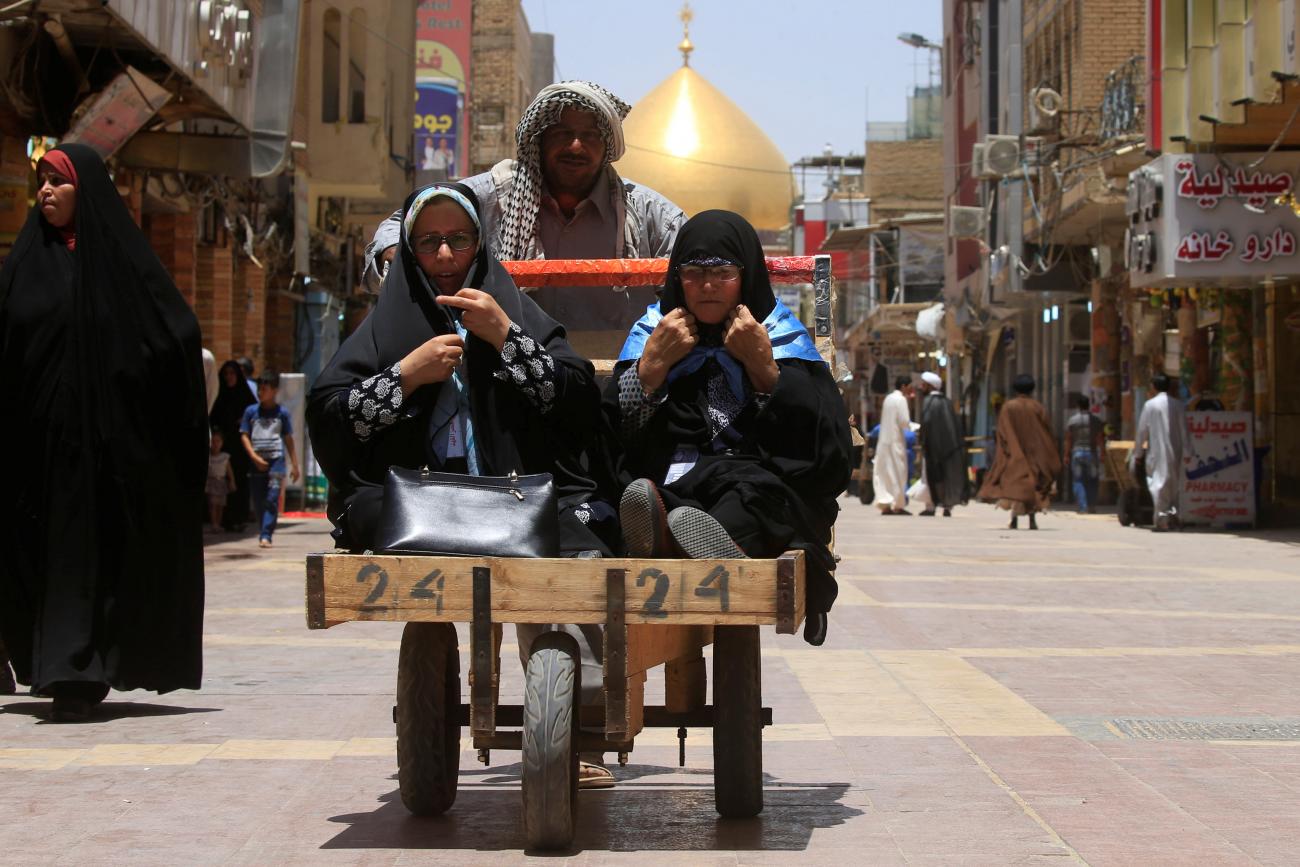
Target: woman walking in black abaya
(233,397)
(101,582)
(732,435)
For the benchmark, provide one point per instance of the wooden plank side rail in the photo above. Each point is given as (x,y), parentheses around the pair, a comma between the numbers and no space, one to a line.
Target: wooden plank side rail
(351,587)
(534,274)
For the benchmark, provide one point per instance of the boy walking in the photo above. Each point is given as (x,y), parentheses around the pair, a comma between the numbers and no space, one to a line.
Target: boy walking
(267,432)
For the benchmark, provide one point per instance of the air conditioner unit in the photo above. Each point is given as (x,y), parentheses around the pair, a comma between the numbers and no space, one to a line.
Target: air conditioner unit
(1044,106)
(965,222)
(1004,157)
(979,167)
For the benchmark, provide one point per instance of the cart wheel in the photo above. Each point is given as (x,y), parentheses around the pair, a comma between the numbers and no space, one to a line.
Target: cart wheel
(552,685)
(1125,508)
(428,701)
(737,722)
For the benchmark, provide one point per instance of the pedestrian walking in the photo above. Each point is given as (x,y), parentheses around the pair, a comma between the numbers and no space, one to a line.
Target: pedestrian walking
(1026,463)
(233,399)
(221,478)
(1083,443)
(7,684)
(943,448)
(889,469)
(101,582)
(267,434)
(1159,441)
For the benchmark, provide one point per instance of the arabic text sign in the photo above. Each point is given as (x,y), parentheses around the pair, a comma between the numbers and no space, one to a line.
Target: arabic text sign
(1219,469)
(1220,219)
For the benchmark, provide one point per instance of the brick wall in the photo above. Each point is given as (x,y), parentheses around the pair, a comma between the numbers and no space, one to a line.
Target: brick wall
(1070,46)
(501,64)
(172,239)
(250,315)
(213,301)
(278,351)
(902,172)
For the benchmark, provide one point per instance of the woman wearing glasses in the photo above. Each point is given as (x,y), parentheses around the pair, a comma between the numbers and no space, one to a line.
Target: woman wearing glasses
(734,439)
(456,370)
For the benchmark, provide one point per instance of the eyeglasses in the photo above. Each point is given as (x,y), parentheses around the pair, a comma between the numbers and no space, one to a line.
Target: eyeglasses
(717,274)
(432,243)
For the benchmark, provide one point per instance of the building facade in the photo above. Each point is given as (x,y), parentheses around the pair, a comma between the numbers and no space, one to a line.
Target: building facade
(1047,269)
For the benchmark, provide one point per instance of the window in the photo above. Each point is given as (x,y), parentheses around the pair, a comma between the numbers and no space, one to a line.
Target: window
(329,78)
(357,66)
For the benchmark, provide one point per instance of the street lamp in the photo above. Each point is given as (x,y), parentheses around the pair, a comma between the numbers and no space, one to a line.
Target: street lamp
(916,40)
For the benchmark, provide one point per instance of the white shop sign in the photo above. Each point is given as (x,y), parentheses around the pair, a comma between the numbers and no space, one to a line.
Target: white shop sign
(1218,469)
(1213,219)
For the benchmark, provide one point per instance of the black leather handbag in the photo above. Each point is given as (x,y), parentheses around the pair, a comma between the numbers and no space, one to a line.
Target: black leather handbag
(468,516)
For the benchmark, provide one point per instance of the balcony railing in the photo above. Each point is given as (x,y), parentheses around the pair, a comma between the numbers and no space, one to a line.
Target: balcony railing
(1123,102)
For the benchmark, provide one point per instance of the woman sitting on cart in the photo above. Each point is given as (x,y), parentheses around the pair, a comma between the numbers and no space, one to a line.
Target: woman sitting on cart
(734,438)
(455,369)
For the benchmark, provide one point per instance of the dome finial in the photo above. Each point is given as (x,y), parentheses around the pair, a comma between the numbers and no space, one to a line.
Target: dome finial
(685,46)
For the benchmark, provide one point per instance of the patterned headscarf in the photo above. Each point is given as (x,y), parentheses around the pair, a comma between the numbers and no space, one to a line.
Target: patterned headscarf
(518,233)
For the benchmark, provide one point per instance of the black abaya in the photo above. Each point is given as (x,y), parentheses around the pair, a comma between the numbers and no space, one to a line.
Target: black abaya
(101,580)
(227,413)
(944,448)
(771,480)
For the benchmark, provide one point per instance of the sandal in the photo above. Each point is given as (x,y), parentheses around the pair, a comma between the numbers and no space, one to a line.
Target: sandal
(593,776)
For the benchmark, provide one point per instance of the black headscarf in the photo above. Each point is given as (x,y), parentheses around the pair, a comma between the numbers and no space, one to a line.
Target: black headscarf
(102,355)
(720,235)
(232,400)
(510,434)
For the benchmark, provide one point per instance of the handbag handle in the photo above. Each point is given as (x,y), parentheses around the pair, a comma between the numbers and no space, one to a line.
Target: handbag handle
(512,476)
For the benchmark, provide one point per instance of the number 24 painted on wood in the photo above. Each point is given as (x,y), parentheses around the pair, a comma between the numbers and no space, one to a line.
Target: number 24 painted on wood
(716,583)
(421,590)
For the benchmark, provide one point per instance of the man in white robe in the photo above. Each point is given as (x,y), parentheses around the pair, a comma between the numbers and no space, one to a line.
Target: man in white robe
(889,467)
(1160,439)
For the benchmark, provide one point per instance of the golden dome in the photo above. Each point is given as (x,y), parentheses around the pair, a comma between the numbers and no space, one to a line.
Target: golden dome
(688,141)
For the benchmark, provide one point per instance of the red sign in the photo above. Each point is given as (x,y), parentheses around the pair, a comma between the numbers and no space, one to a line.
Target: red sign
(442,33)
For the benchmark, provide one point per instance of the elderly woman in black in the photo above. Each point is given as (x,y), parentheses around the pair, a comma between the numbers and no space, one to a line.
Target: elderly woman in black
(734,439)
(457,370)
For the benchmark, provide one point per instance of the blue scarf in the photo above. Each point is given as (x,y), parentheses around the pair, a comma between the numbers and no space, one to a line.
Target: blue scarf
(789,340)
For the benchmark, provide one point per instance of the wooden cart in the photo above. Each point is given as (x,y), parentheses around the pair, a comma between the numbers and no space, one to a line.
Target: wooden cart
(654,612)
(1134,504)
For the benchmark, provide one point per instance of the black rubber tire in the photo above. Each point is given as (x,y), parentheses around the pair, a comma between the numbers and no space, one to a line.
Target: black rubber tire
(428,704)
(737,722)
(1125,508)
(552,686)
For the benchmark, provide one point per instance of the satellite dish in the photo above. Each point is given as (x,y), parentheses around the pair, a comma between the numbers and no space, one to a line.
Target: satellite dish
(1046,101)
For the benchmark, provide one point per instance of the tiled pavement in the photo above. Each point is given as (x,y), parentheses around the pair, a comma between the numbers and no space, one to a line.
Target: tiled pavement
(983,699)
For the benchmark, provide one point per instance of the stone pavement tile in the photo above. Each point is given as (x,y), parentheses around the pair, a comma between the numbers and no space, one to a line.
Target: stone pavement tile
(1206,595)
(1090,801)
(1118,854)
(1223,686)
(1248,807)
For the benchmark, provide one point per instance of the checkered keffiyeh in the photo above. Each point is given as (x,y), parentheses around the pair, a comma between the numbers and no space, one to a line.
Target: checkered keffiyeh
(518,233)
